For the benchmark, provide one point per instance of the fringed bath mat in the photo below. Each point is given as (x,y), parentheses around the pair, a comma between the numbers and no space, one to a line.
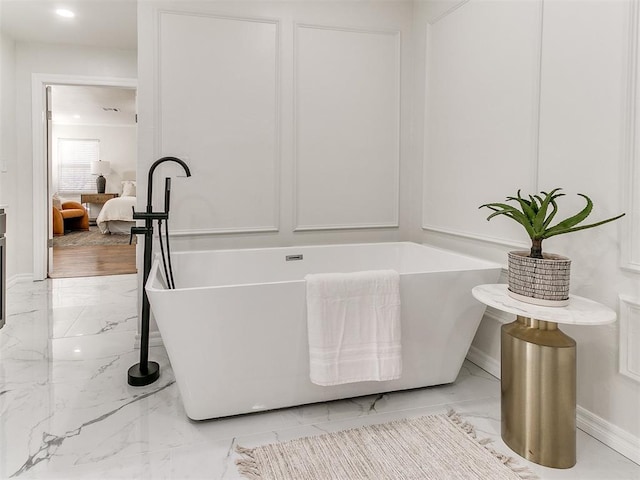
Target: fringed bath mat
(437,447)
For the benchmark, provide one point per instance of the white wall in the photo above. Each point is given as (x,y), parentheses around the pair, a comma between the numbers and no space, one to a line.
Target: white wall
(294,119)
(49,59)
(8,164)
(118,145)
(521,96)
(278,138)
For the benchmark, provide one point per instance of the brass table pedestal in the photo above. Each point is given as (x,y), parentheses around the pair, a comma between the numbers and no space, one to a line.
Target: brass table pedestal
(538,379)
(538,392)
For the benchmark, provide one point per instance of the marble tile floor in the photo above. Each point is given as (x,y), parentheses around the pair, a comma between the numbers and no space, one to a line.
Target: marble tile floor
(66,411)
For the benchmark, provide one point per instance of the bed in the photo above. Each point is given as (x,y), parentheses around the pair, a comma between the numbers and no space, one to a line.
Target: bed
(116,216)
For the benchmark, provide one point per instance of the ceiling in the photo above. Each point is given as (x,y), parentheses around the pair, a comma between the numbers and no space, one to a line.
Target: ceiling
(90,105)
(97,23)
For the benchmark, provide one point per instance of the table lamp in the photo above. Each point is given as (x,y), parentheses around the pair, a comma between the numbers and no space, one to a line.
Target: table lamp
(100,168)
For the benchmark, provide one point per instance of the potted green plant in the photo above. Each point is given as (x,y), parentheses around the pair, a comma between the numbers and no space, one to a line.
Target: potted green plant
(534,276)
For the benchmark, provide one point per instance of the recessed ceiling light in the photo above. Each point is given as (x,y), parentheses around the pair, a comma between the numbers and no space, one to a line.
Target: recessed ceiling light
(63,12)
(76,116)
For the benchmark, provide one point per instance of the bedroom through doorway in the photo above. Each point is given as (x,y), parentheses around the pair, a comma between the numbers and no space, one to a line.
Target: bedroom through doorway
(91,163)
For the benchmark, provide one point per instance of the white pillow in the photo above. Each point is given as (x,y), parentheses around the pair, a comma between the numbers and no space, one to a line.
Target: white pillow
(56,201)
(129,188)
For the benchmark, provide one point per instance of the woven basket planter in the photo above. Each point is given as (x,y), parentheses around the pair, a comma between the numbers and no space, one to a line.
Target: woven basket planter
(540,281)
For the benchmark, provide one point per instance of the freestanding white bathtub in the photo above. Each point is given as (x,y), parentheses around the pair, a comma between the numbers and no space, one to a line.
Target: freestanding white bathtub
(235,326)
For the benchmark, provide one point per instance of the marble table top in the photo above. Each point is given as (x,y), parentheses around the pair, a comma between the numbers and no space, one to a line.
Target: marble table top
(580,311)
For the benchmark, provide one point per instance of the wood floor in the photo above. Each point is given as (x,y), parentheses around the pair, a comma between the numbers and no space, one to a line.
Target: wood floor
(95,260)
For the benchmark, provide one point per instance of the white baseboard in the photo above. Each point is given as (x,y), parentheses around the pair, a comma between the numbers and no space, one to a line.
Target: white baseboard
(484,361)
(614,437)
(620,440)
(155,340)
(23,277)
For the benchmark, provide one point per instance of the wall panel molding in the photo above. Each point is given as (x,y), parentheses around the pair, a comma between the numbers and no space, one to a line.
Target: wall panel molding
(342,28)
(631,163)
(224,154)
(630,337)
(456,148)
(448,12)
(194,232)
(481,238)
(359,195)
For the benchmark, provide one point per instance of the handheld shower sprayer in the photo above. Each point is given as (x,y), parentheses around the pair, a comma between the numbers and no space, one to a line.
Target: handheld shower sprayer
(167,193)
(168,271)
(147,372)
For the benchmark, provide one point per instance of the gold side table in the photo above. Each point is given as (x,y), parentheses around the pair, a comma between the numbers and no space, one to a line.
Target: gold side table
(538,374)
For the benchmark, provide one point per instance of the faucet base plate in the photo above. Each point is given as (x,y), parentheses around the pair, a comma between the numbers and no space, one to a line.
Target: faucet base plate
(139,377)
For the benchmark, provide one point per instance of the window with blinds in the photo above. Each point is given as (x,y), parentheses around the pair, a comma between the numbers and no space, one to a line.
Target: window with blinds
(74,164)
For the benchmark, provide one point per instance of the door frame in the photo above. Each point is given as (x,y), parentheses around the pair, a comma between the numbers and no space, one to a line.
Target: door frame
(41,181)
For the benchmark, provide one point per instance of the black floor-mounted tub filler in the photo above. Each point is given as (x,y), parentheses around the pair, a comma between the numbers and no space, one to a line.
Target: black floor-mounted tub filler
(146,372)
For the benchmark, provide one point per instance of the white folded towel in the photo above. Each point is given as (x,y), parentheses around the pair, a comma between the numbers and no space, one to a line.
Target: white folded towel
(353,323)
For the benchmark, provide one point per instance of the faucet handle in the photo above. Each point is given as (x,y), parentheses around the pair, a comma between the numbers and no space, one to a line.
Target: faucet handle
(139,231)
(150,215)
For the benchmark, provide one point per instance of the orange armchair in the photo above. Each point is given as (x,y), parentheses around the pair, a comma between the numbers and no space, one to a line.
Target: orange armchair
(72,216)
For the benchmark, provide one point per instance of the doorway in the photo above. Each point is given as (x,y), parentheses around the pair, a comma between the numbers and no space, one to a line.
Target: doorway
(83,111)
(90,126)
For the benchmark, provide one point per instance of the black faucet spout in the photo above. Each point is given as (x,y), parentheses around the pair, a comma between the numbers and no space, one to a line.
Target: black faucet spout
(153,168)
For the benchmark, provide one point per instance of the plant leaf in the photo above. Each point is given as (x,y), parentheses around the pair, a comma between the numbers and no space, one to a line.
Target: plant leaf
(574,220)
(524,205)
(539,221)
(583,227)
(551,215)
(501,212)
(511,212)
